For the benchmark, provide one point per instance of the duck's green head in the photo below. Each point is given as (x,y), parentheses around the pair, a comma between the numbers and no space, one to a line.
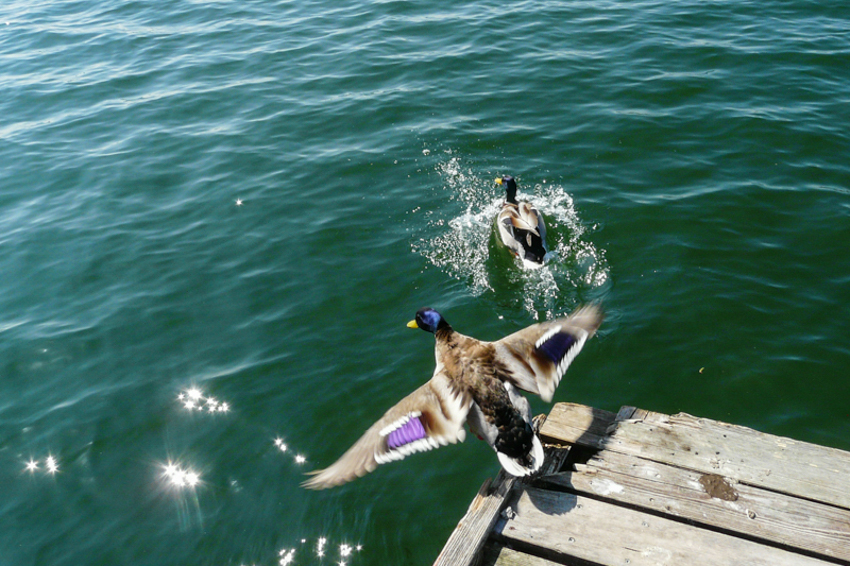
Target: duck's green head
(428,319)
(510,187)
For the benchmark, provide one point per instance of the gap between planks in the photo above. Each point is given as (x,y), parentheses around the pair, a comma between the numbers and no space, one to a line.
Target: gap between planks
(563,527)
(620,436)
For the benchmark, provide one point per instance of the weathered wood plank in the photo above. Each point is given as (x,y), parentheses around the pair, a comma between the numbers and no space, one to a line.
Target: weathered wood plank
(496,555)
(471,532)
(710,499)
(729,478)
(626,412)
(743,454)
(567,525)
(570,423)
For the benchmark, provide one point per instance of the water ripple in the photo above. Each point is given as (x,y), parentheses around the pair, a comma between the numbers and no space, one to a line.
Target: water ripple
(690,159)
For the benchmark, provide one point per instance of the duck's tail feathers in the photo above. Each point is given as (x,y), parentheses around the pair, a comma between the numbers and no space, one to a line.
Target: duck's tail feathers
(528,464)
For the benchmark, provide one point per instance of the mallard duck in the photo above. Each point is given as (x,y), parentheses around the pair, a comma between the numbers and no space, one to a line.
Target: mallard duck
(478,383)
(521,226)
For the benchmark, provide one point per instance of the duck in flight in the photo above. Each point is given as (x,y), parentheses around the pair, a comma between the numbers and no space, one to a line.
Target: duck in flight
(477,383)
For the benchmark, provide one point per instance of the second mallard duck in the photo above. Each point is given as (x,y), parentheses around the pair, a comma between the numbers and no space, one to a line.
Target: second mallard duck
(521,226)
(475,382)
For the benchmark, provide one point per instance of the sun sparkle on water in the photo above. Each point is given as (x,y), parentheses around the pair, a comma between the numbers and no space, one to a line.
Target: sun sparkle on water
(180,477)
(287,555)
(193,399)
(281,445)
(51,465)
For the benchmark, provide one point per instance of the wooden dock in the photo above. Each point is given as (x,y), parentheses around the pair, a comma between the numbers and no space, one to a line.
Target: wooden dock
(639,488)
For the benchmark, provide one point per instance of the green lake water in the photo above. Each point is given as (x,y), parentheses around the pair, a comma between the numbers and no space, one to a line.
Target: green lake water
(690,158)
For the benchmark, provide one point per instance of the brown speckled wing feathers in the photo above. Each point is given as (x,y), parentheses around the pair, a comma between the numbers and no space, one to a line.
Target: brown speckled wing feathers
(432,416)
(538,356)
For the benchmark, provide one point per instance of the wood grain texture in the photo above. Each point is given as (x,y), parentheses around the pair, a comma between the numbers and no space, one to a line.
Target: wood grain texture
(562,526)
(739,453)
(647,489)
(495,554)
(570,423)
(740,508)
(472,531)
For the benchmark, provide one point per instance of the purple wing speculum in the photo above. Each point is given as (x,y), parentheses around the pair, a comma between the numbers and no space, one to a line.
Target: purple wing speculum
(556,346)
(404,437)
(410,431)
(561,346)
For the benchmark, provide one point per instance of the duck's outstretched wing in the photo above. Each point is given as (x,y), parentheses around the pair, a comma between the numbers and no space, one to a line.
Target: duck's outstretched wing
(537,356)
(430,417)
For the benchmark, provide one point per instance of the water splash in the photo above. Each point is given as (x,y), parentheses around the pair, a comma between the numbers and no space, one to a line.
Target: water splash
(460,239)
(457,241)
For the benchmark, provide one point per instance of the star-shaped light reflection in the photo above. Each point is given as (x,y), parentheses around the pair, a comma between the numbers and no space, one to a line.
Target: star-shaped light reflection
(51,465)
(281,445)
(179,477)
(286,556)
(32,466)
(193,400)
(192,479)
